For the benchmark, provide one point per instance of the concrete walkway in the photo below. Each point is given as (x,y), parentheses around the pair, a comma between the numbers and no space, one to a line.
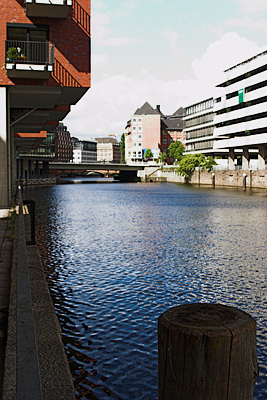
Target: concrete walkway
(53,369)
(6,248)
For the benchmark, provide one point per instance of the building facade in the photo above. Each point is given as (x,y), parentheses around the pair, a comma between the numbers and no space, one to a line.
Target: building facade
(241,113)
(232,125)
(143,132)
(150,129)
(172,128)
(108,150)
(45,54)
(63,144)
(84,151)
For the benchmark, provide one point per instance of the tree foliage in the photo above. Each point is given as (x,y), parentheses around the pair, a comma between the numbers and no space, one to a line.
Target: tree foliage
(122,148)
(148,153)
(162,158)
(190,162)
(176,150)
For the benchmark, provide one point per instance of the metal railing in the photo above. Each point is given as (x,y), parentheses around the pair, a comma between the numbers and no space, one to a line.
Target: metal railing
(27,52)
(63,76)
(81,16)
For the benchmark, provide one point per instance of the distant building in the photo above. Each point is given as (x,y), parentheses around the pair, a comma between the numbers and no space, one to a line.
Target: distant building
(150,129)
(241,117)
(63,144)
(172,128)
(84,151)
(108,149)
(199,127)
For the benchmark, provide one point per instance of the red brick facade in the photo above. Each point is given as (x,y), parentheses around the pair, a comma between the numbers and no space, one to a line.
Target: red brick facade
(70,36)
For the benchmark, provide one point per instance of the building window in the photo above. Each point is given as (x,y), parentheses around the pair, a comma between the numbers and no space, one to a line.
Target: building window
(139,120)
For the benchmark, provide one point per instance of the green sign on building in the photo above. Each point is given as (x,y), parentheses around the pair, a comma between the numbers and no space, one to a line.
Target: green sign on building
(241,95)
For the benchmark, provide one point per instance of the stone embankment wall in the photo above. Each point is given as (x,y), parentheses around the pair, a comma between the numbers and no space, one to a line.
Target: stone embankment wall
(253,178)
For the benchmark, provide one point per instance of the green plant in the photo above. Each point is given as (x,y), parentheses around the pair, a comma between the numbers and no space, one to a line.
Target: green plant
(190,162)
(12,53)
(148,153)
(162,158)
(176,150)
(122,148)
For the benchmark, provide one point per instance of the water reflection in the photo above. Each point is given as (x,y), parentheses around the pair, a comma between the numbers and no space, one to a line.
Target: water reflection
(117,256)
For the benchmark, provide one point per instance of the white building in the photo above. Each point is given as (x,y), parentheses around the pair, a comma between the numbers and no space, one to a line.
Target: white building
(233,123)
(84,151)
(241,112)
(199,126)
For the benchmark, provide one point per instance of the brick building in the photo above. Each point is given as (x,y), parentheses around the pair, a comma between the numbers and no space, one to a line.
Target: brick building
(150,129)
(45,52)
(63,144)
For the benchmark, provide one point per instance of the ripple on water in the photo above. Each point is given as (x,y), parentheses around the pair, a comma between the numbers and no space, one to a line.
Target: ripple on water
(117,256)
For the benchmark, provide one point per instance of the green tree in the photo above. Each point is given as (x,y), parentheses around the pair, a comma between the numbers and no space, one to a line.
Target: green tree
(148,153)
(122,148)
(209,163)
(162,158)
(176,150)
(189,162)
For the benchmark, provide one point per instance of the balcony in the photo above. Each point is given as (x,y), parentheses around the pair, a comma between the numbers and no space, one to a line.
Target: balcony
(32,60)
(47,8)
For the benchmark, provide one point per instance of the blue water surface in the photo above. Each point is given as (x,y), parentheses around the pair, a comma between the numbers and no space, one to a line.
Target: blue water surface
(118,255)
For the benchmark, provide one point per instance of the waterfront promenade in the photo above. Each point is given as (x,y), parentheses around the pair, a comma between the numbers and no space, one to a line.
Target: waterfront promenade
(5,269)
(20,372)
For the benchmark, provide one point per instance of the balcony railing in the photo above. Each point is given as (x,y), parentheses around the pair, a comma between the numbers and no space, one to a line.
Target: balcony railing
(22,52)
(48,8)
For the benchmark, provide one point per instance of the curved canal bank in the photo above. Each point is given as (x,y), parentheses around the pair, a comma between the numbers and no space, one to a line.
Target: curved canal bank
(117,256)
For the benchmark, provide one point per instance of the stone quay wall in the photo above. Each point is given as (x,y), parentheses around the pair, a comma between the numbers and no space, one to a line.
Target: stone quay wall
(232,178)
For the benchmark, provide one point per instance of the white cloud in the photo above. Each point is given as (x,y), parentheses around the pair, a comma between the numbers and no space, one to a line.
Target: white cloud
(111,101)
(252,6)
(99,60)
(220,55)
(172,38)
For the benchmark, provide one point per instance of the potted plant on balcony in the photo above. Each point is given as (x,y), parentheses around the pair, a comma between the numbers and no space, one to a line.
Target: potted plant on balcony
(12,54)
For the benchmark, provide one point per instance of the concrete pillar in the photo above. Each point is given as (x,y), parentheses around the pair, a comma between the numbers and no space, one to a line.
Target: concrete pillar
(231,159)
(245,158)
(4,172)
(261,157)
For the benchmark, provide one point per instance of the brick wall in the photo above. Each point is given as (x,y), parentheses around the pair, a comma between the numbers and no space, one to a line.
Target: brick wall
(71,37)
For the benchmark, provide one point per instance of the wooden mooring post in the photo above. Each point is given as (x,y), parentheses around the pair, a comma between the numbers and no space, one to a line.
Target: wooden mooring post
(206,352)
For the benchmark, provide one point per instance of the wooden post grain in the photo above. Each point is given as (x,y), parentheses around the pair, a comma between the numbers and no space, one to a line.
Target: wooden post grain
(206,352)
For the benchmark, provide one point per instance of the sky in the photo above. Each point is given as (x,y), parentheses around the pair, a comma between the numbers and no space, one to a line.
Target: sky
(167,52)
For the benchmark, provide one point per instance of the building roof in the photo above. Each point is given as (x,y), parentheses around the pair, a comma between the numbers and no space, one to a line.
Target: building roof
(178,113)
(106,140)
(172,123)
(146,109)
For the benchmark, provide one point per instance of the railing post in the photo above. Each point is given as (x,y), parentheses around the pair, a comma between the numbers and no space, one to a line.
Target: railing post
(206,352)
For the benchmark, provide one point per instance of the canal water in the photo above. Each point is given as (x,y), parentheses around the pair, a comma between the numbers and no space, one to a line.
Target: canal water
(118,255)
